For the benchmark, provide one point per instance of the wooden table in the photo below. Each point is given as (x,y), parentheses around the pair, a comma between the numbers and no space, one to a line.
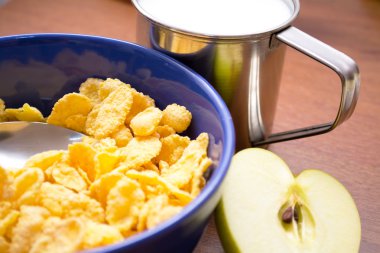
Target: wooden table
(309,93)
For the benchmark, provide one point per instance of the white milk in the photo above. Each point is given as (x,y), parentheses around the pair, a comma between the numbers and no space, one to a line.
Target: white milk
(220,17)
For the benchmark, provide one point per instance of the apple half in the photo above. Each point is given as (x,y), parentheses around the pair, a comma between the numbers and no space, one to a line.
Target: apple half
(264,208)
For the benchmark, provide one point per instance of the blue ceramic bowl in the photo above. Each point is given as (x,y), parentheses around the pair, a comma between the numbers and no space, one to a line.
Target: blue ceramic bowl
(40,68)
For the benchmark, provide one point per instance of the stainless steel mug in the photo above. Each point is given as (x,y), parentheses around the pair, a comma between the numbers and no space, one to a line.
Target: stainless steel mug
(246,70)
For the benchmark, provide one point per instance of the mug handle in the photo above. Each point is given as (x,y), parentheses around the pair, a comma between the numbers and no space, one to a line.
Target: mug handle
(344,67)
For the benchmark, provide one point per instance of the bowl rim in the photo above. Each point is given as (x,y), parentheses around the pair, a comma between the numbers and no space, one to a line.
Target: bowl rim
(228,148)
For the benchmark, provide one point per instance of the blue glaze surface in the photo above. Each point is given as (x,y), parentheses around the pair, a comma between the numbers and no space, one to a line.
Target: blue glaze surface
(41,68)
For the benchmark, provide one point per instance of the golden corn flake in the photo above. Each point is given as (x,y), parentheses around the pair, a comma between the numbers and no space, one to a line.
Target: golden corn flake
(26,186)
(70,104)
(8,217)
(3,115)
(139,151)
(82,155)
(152,178)
(101,187)
(180,173)
(110,114)
(63,202)
(5,185)
(105,162)
(122,136)
(4,245)
(165,131)
(2,105)
(84,176)
(172,148)
(108,86)
(28,227)
(140,103)
(25,113)
(76,122)
(99,234)
(106,145)
(89,140)
(90,89)
(144,177)
(145,122)
(198,181)
(3,118)
(162,165)
(158,210)
(91,119)
(150,166)
(45,159)
(124,202)
(59,236)
(68,176)
(176,116)
(102,145)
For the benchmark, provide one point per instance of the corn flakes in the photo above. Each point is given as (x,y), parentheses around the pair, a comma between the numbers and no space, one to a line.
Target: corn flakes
(2,105)
(76,122)
(101,187)
(8,217)
(145,122)
(5,185)
(140,103)
(158,209)
(25,113)
(3,115)
(180,173)
(59,236)
(198,181)
(84,176)
(132,172)
(63,202)
(4,245)
(124,202)
(172,148)
(45,159)
(139,151)
(26,185)
(176,116)
(68,176)
(82,155)
(108,86)
(111,113)
(102,145)
(27,228)
(90,89)
(152,178)
(65,108)
(105,162)
(99,234)
(122,136)
(165,131)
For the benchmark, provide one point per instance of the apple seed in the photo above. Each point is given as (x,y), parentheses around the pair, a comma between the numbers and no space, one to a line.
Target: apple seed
(287,216)
(295,213)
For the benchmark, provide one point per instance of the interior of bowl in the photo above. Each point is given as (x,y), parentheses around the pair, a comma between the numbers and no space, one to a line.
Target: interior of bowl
(40,68)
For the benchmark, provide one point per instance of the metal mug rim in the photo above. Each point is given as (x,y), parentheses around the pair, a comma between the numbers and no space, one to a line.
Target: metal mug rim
(285,24)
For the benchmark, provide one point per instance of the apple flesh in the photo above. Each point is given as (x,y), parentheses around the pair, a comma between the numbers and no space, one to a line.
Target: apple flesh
(264,208)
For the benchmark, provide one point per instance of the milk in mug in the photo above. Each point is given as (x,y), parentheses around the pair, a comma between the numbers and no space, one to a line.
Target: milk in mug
(220,17)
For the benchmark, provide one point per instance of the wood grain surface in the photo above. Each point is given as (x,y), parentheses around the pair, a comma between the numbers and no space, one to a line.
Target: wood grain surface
(309,93)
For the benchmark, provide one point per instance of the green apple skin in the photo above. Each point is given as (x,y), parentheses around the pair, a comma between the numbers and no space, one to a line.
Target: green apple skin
(260,186)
